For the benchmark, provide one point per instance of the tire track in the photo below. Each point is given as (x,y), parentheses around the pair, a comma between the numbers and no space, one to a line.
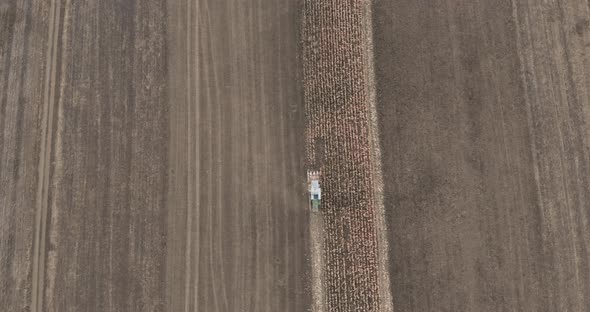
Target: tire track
(238,130)
(234,159)
(195,55)
(220,131)
(283,178)
(189,207)
(221,134)
(179,251)
(44,160)
(214,128)
(246,170)
(266,176)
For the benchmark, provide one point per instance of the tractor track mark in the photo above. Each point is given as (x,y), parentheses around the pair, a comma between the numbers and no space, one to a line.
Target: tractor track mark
(190,142)
(42,201)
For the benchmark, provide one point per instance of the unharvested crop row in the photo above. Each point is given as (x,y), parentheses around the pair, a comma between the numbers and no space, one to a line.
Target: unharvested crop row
(337,116)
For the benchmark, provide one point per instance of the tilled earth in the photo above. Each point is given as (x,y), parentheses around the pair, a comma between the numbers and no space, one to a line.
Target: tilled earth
(151,157)
(484,119)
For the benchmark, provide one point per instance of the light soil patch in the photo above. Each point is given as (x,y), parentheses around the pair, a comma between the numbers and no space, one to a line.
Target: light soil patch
(316,235)
(385,299)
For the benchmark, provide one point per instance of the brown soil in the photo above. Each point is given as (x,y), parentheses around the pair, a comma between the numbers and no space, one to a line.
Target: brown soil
(151,157)
(237,199)
(484,116)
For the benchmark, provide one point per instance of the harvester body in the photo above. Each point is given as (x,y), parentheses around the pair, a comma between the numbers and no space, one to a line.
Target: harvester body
(315,191)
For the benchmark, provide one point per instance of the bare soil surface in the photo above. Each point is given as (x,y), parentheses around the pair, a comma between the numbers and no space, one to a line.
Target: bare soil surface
(23,76)
(238,207)
(151,157)
(484,121)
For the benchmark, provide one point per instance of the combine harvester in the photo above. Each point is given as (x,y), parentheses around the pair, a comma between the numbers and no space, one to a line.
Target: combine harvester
(315,192)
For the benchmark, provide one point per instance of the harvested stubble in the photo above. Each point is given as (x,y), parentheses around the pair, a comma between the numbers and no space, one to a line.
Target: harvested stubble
(337,118)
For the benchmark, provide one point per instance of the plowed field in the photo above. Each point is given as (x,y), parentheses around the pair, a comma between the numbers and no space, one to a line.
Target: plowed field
(484,119)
